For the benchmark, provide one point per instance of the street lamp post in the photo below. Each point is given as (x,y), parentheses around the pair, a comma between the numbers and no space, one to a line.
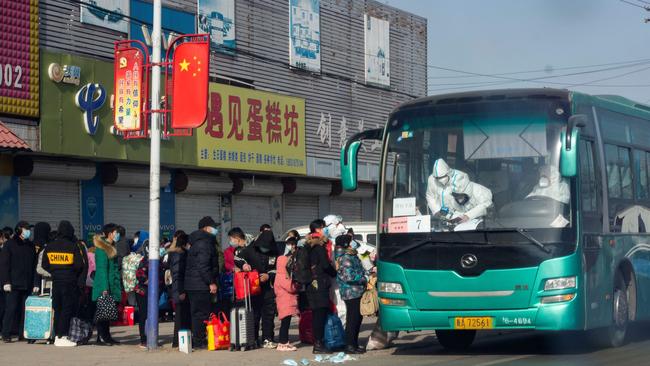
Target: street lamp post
(154,184)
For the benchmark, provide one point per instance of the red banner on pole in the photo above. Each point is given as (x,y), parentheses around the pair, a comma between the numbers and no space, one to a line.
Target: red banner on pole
(191,68)
(130,91)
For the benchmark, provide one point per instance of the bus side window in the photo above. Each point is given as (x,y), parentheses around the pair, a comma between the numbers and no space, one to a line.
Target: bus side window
(619,184)
(590,188)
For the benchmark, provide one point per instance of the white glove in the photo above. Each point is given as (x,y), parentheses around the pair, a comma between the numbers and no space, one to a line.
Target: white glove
(7,288)
(35,290)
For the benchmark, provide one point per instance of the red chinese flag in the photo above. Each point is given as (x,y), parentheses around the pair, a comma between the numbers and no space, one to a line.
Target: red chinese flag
(190,84)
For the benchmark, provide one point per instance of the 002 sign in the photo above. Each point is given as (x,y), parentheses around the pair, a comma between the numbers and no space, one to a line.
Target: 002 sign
(11,76)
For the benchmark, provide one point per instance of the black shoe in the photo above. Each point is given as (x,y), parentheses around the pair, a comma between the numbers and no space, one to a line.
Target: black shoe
(320,349)
(6,339)
(100,342)
(352,350)
(111,341)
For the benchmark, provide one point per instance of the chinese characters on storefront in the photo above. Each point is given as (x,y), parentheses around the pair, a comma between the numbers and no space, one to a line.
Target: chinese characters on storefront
(253,130)
(344,131)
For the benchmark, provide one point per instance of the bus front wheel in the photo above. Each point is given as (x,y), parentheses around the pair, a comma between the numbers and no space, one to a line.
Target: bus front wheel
(455,340)
(622,304)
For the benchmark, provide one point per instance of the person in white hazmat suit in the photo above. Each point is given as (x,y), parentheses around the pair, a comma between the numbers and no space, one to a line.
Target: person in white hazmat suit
(333,229)
(451,194)
(551,185)
(471,201)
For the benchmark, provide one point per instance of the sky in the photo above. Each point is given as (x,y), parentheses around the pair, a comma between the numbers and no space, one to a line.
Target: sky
(552,37)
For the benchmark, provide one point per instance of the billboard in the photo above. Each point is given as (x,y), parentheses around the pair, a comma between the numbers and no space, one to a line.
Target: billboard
(112,14)
(217,18)
(253,130)
(377,34)
(304,38)
(19,64)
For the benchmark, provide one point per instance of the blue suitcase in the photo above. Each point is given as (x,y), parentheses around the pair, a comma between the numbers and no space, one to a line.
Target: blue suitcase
(38,318)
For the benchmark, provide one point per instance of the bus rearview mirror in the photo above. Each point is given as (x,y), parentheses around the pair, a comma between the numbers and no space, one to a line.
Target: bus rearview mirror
(349,166)
(569,154)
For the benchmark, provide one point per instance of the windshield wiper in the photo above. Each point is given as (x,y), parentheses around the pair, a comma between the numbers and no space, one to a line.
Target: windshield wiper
(523,233)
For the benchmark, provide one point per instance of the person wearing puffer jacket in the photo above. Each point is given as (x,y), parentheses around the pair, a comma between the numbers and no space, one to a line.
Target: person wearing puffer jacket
(352,281)
(107,276)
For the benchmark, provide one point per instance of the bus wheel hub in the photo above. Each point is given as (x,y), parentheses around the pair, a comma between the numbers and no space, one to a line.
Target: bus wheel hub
(620,308)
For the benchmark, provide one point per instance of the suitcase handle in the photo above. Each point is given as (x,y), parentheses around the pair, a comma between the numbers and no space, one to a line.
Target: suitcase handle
(247,292)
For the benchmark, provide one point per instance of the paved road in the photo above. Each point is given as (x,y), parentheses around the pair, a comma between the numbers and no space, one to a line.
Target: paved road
(410,349)
(527,348)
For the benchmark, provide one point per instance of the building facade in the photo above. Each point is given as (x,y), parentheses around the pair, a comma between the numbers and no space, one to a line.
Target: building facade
(290,81)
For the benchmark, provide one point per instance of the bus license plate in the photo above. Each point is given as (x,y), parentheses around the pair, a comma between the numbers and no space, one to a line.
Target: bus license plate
(476,322)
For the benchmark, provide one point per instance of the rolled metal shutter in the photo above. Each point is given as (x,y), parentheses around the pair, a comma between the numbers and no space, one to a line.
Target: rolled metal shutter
(50,201)
(127,206)
(348,208)
(299,210)
(250,212)
(190,208)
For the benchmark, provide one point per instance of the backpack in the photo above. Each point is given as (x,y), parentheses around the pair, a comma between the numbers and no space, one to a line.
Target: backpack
(130,265)
(299,267)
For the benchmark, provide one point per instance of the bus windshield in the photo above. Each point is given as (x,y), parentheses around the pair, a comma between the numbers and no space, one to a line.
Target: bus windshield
(483,169)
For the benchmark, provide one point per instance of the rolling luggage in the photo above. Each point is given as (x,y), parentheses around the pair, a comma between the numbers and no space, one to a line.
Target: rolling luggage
(39,318)
(242,326)
(305,331)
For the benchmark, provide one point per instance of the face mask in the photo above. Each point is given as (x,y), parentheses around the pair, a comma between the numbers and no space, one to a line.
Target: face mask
(214,231)
(326,232)
(443,180)
(354,244)
(544,182)
(117,237)
(27,234)
(233,244)
(288,249)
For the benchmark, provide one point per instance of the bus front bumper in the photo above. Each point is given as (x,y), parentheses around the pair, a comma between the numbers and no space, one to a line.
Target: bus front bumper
(552,317)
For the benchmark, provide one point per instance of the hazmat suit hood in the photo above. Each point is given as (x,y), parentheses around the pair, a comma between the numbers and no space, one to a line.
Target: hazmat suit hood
(440,168)
(334,226)
(66,230)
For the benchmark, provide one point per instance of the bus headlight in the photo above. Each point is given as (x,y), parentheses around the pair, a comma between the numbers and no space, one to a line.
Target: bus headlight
(560,283)
(390,287)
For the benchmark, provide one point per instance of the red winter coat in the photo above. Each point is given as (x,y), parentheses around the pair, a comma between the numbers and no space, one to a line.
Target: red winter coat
(286,295)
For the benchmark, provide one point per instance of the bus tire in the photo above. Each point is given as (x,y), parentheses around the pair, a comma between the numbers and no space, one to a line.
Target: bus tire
(615,334)
(455,340)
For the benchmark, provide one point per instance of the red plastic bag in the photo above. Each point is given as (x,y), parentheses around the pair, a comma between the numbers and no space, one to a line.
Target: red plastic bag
(305,331)
(247,279)
(222,332)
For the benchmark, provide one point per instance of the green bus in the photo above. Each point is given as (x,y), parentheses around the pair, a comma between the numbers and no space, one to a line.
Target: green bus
(512,209)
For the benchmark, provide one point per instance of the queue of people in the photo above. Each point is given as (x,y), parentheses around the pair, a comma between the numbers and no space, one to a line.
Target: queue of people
(320,273)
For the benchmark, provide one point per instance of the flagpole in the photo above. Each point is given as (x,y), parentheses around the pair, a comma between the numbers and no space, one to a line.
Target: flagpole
(154,185)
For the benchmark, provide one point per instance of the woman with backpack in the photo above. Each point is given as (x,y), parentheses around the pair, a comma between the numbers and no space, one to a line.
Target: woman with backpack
(352,281)
(286,294)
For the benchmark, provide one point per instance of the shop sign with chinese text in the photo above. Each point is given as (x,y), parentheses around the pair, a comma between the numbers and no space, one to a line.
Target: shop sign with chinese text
(128,88)
(253,130)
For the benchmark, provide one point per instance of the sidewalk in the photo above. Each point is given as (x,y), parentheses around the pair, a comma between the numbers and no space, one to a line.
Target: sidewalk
(128,353)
